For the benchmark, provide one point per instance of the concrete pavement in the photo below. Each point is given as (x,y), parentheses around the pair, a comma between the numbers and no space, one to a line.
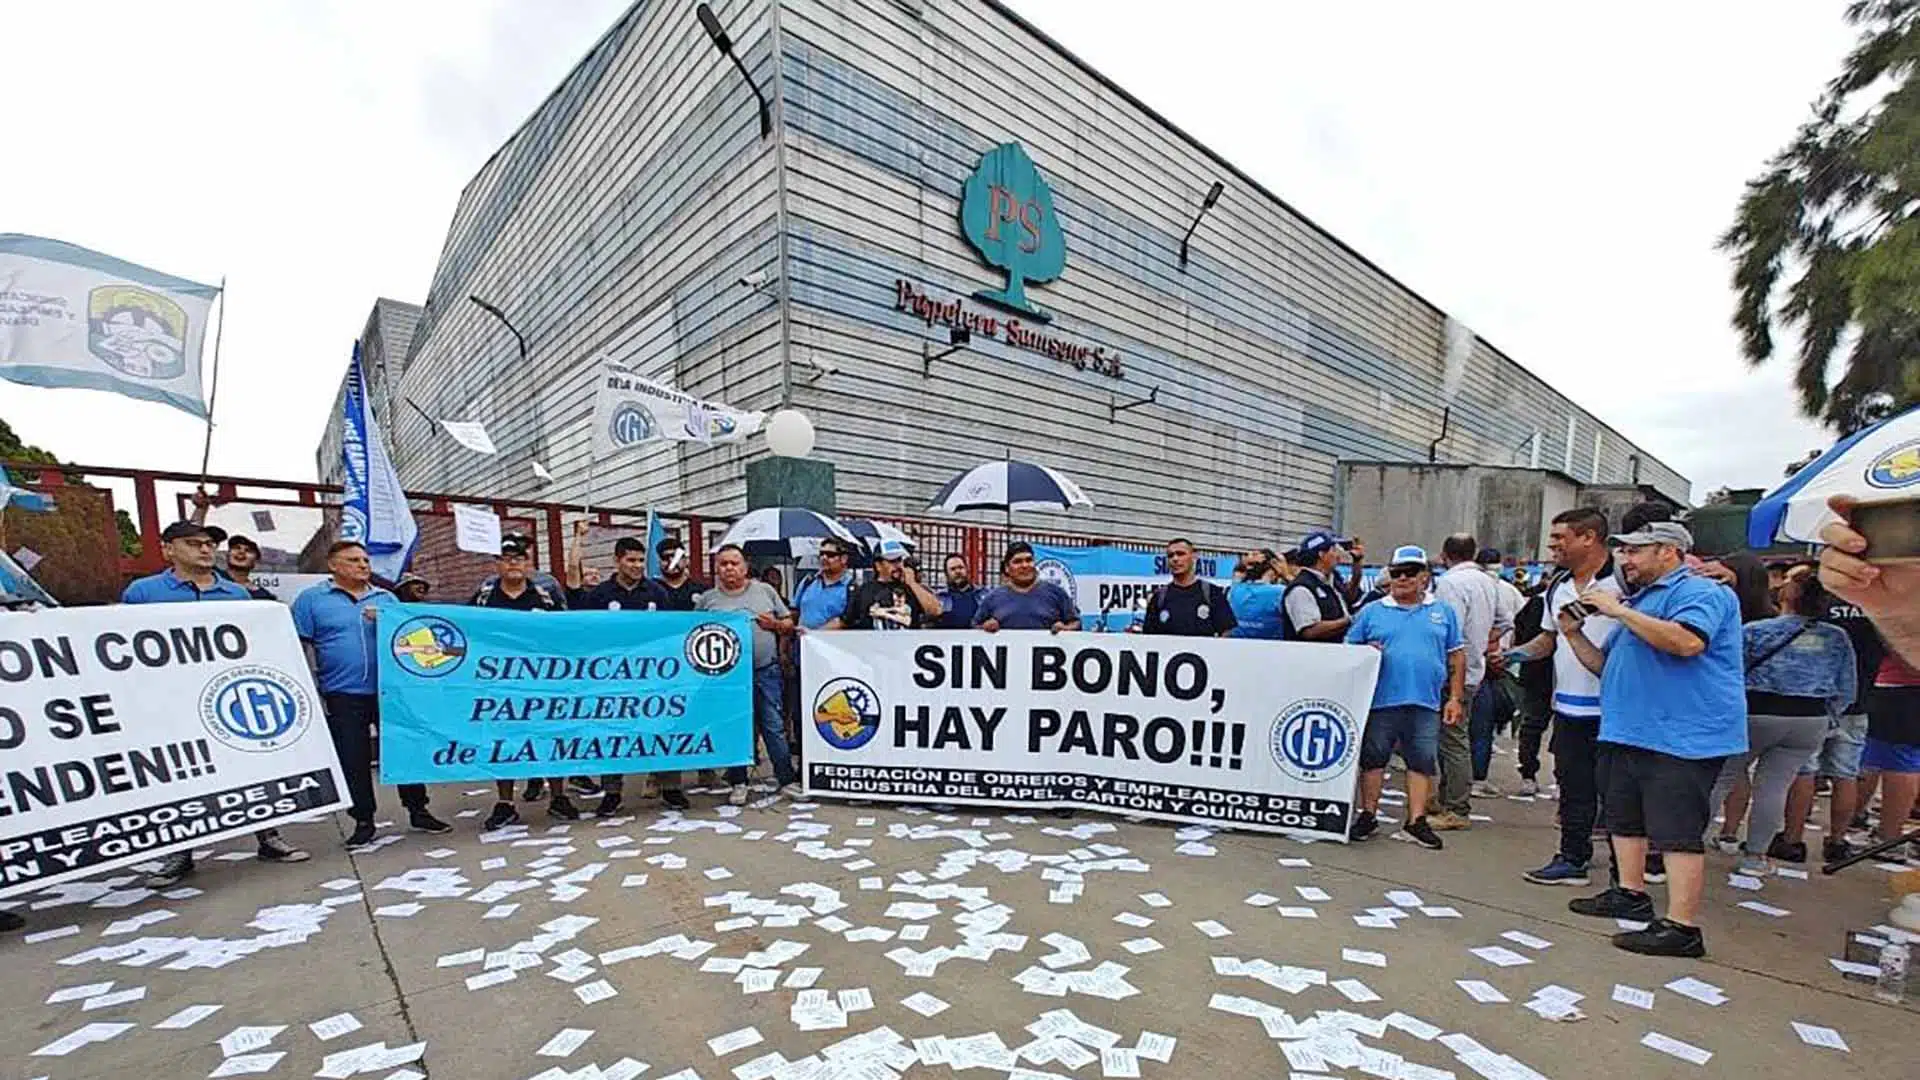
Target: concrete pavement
(385,969)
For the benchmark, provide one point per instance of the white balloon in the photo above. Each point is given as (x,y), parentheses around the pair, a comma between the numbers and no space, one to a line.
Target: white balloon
(789,433)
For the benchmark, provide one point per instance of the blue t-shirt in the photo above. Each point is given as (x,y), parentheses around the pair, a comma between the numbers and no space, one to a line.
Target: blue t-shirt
(818,603)
(1687,706)
(1414,643)
(341,635)
(1256,607)
(1036,609)
(957,608)
(166,587)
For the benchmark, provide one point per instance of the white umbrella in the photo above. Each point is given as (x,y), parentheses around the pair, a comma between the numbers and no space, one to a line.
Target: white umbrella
(1876,464)
(772,530)
(1009,486)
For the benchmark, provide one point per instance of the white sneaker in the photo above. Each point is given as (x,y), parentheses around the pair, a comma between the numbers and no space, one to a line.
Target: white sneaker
(793,791)
(1483,789)
(737,795)
(1529,788)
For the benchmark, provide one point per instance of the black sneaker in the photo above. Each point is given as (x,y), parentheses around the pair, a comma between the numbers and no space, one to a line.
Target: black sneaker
(1419,832)
(584,785)
(1655,870)
(421,821)
(1663,937)
(562,807)
(1833,849)
(609,805)
(174,869)
(675,798)
(536,789)
(1615,903)
(1363,826)
(9,922)
(1782,851)
(503,815)
(362,836)
(275,849)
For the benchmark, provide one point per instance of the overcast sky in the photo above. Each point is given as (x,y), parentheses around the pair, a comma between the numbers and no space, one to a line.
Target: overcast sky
(1554,175)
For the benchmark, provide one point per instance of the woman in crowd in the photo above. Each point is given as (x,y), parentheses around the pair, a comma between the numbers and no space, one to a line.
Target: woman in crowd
(1747,576)
(1800,679)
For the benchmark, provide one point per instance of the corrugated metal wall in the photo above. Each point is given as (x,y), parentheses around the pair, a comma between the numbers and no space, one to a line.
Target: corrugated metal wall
(640,192)
(1276,352)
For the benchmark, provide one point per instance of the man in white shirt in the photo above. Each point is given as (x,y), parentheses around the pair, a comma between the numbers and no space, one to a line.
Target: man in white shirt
(1578,541)
(1475,600)
(1494,708)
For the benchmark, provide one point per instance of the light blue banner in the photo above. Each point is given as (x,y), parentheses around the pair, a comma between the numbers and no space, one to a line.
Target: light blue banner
(1110,586)
(484,694)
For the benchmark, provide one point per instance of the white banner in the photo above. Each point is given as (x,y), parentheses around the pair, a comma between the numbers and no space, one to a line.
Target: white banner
(132,731)
(286,587)
(71,317)
(1252,734)
(630,409)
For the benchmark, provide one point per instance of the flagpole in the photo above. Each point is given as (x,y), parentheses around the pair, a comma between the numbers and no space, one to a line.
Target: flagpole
(213,392)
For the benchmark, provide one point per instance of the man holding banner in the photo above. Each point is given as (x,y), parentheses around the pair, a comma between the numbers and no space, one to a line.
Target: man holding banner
(1188,606)
(335,621)
(629,589)
(735,591)
(1025,602)
(515,589)
(189,578)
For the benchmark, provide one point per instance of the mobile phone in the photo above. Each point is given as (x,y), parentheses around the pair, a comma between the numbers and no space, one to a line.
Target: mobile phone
(1576,610)
(1892,530)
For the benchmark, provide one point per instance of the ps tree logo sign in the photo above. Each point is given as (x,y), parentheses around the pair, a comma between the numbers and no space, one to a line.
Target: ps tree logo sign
(1006,213)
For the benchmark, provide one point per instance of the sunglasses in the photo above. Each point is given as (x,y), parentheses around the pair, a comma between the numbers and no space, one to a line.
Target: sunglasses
(833,554)
(1404,572)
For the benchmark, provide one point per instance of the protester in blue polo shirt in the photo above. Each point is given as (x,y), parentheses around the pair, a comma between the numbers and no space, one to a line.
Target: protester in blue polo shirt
(1422,684)
(335,621)
(1672,710)
(822,598)
(1025,602)
(188,578)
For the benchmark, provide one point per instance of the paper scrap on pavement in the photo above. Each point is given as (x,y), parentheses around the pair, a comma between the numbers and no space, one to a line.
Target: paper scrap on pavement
(1483,992)
(1666,1044)
(1362,956)
(78,993)
(722,1045)
(597,990)
(1520,937)
(925,1004)
(334,1026)
(1312,893)
(187,1017)
(1286,912)
(247,1064)
(1824,1037)
(243,1039)
(1632,995)
(1765,909)
(50,935)
(1704,992)
(1405,899)
(1500,956)
(565,1041)
(82,1036)
(1154,899)
(1212,929)
(1118,1062)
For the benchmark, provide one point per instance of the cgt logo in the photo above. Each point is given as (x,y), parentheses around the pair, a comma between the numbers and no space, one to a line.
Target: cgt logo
(630,424)
(1314,739)
(713,648)
(255,708)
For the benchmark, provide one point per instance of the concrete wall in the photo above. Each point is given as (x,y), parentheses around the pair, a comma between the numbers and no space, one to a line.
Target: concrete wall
(1387,504)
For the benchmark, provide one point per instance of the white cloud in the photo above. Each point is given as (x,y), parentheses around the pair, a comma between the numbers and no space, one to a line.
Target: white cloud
(1553,175)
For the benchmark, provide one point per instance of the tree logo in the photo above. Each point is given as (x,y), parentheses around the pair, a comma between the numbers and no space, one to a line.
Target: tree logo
(1006,213)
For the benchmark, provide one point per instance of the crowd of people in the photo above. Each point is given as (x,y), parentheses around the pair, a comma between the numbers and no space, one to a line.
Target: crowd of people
(1668,687)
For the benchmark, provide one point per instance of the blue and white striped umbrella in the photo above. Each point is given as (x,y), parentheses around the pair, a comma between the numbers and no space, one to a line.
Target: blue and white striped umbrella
(871,533)
(771,530)
(1875,464)
(1009,485)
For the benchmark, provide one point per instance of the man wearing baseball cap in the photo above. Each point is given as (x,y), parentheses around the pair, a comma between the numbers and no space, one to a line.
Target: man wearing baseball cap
(1313,607)
(890,599)
(1672,709)
(1422,685)
(189,578)
(243,555)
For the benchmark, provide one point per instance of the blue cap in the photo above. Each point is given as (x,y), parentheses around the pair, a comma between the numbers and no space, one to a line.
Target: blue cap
(1316,544)
(890,550)
(1408,554)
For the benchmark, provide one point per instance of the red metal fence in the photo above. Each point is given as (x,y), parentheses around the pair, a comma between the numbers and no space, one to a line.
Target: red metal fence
(293,522)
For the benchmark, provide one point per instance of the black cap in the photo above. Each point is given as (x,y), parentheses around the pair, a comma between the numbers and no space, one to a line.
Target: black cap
(180,530)
(1488,557)
(238,540)
(512,546)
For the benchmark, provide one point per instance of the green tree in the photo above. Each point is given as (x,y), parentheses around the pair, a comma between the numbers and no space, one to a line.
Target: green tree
(13,448)
(1837,209)
(1006,213)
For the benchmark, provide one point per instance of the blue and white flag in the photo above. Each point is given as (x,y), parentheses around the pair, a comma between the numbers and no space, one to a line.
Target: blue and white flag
(655,534)
(72,317)
(373,506)
(630,410)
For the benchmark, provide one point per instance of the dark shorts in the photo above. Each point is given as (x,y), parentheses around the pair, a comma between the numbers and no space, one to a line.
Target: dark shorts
(1666,799)
(1413,730)
(1890,757)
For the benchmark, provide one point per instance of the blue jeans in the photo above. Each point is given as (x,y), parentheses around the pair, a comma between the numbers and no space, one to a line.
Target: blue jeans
(1481,716)
(770,720)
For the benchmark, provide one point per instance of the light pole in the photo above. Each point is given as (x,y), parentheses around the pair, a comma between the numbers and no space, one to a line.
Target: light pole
(1213,196)
(711,23)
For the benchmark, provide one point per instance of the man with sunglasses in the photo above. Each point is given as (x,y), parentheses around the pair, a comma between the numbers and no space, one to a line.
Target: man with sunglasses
(823,597)
(1422,655)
